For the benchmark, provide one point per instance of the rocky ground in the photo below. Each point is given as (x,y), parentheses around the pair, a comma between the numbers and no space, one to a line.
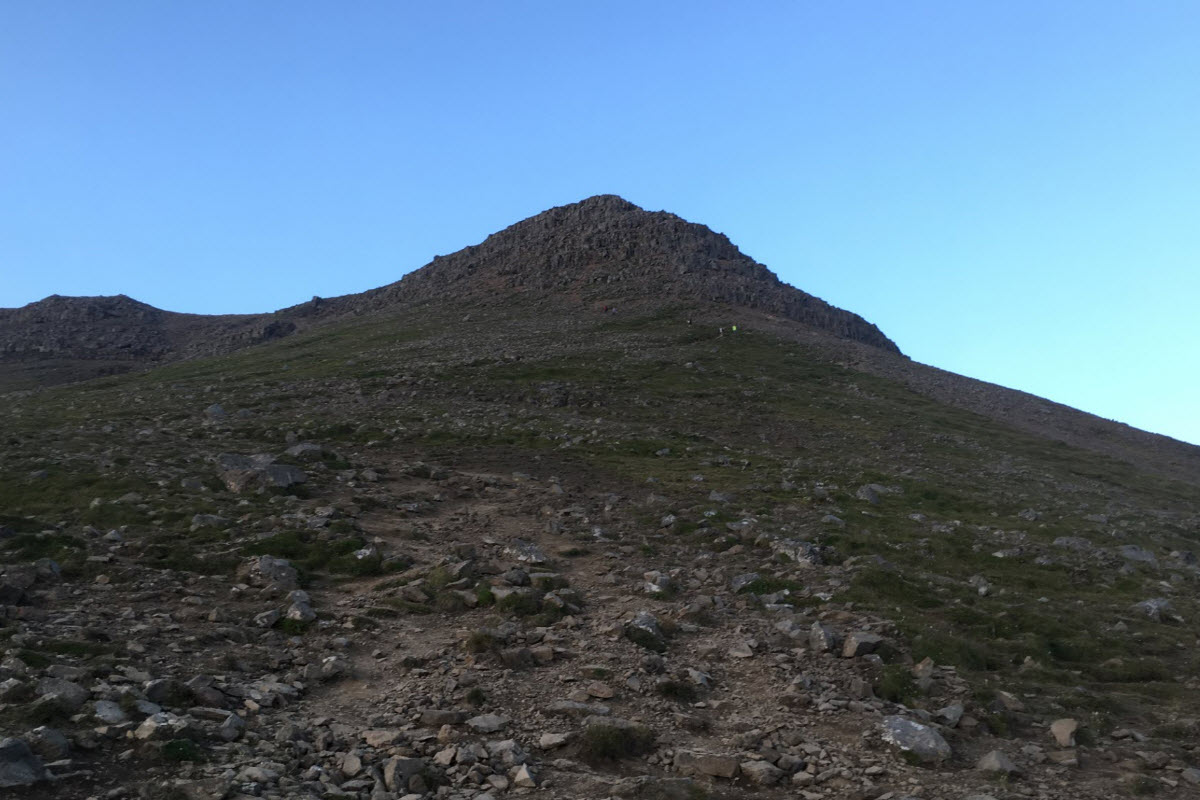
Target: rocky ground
(433,582)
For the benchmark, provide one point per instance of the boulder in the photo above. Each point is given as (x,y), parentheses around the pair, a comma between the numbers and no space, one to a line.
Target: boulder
(48,743)
(920,741)
(860,643)
(398,771)
(761,773)
(822,638)
(19,766)
(269,571)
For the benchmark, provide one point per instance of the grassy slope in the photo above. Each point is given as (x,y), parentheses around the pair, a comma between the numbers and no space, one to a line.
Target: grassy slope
(748,413)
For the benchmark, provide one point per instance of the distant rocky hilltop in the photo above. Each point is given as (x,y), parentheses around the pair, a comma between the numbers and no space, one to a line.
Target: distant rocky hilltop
(603,250)
(608,250)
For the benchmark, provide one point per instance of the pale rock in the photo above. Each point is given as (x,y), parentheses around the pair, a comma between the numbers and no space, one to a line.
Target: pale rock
(1063,731)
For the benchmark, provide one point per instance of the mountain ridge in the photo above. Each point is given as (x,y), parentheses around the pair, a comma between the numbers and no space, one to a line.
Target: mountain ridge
(602,250)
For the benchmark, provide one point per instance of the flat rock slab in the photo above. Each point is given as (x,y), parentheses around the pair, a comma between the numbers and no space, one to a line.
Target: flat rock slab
(711,764)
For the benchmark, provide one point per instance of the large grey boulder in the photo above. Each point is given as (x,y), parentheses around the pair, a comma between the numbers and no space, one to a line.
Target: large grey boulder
(18,764)
(1155,608)
(276,573)
(920,741)
(70,696)
(1139,555)
(398,771)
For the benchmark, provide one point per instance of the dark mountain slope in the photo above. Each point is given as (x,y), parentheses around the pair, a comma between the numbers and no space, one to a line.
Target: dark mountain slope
(608,251)
(603,250)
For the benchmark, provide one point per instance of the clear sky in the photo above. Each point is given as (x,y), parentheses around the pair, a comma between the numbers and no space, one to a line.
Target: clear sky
(1010,190)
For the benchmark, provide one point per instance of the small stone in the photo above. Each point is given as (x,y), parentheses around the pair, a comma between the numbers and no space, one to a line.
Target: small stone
(950,715)
(741,650)
(488,723)
(381,737)
(996,761)
(600,690)
(1063,731)
(551,741)
(110,713)
(523,777)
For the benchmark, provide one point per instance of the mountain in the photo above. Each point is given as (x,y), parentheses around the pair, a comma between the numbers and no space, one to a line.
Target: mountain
(476,535)
(603,250)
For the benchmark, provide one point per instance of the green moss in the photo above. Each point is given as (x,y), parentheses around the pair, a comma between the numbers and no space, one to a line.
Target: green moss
(481,642)
(293,627)
(32,546)
(612,742)
(520,604)
(896,684)
(182,750)
(679,691)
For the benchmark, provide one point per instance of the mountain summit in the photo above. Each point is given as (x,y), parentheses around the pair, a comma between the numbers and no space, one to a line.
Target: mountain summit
(607,250)
(602,251)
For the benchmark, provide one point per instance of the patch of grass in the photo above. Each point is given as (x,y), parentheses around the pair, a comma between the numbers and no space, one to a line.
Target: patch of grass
(520,604)
(896,684)
(32,546)
(548,583)
(484,596)
(448,602)
(401,604)
(69,647)
(679,691)
(476,696)
(438,577)
(293,627)
(770,586)
(612,742)
(880,586)
(1142,785)
(313,553)
(182,750)
(481,642)
(33,658)
(1134,670)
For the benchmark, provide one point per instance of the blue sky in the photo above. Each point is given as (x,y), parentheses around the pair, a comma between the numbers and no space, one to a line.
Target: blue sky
(1009,190)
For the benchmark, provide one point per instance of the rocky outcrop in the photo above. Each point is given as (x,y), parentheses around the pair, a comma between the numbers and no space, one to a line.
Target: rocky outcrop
(608,250)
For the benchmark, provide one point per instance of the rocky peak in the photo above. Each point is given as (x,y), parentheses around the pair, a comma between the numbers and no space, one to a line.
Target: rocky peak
(606,250)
